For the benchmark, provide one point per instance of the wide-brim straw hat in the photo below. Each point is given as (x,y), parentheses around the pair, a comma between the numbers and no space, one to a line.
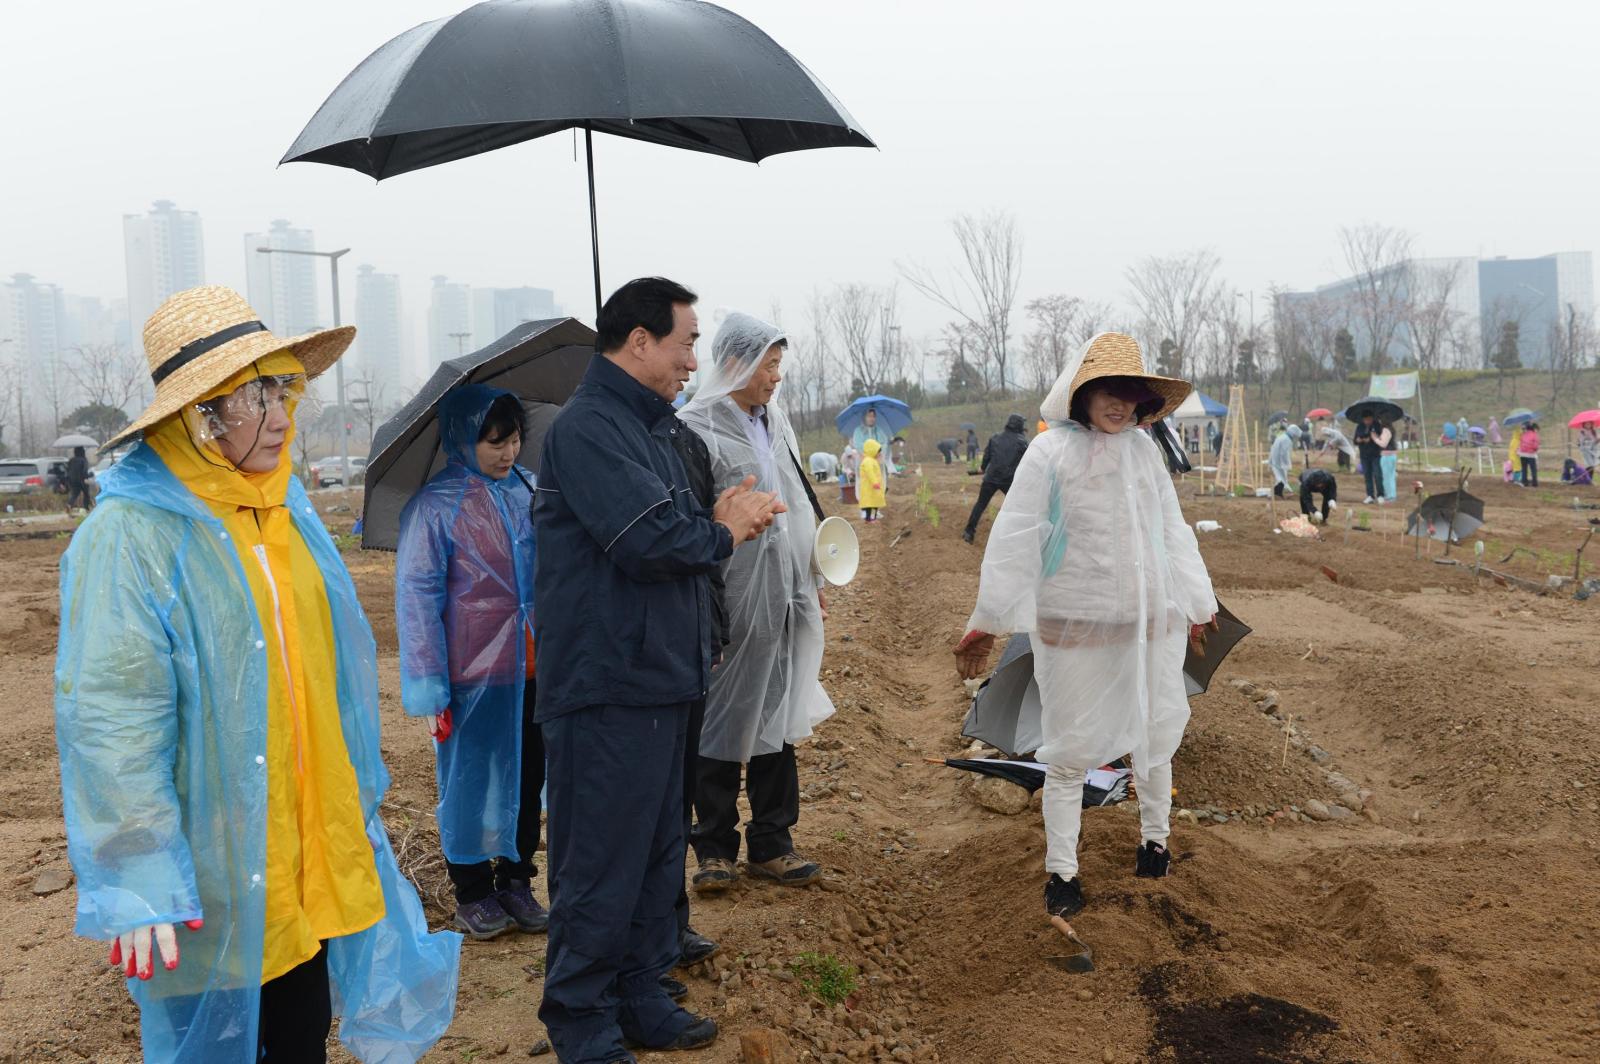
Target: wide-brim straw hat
(1118,355)
(200,337)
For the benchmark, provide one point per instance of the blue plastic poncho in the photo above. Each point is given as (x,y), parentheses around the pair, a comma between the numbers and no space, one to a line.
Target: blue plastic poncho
(463,608)
(161,719)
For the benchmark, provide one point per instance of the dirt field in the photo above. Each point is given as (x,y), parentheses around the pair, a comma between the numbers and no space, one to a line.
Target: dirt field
(1453,918)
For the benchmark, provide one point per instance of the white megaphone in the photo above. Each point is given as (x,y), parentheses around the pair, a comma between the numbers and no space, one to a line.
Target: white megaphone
(836,553)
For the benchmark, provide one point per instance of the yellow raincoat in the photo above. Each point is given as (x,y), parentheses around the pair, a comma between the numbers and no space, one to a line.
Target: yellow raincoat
(870,487)
(320,876)
(1513,455)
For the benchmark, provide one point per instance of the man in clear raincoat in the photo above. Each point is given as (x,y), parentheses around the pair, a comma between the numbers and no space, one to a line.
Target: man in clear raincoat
(217,718)
(1092,557)
(464,615)
(1280,459)
(765,695)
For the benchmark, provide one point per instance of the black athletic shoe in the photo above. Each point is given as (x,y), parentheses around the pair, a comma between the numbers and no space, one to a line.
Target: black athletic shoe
(1063,897)
(1151,860)
(676,990)
(694,947)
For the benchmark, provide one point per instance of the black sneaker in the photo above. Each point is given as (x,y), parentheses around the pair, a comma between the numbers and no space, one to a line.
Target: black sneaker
(517,899)
(1063,897)
(1151,861)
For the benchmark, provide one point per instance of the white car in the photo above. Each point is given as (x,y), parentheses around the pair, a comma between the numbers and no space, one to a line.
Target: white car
(25,475)
(326,472)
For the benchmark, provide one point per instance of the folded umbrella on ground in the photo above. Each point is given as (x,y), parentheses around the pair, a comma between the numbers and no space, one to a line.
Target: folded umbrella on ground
(1101,786)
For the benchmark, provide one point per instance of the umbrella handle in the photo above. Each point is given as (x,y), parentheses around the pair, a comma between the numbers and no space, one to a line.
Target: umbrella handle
(594,220)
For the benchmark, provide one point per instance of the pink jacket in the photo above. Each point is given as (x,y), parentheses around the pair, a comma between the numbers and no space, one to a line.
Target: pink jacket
(1529,444)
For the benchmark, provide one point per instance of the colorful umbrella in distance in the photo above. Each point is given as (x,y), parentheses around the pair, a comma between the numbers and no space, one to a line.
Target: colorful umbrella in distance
(1520,416)
(1588,417)
(1319,412)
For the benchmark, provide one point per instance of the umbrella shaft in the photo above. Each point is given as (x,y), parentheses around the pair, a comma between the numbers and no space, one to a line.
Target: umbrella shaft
(594,220)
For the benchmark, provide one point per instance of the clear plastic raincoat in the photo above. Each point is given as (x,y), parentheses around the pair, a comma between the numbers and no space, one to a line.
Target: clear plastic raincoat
(464,612)
(1092,557)
(161,692)
(766,692)
(1280,459)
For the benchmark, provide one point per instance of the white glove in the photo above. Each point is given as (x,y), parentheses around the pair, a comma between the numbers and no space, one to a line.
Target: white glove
(130,951)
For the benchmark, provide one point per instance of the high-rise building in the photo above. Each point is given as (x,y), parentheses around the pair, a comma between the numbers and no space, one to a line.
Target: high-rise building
(165,253)
(1544,296)
(33,318)
(89,321)
(377,352)
(496,311)
(450,321)
(283,288)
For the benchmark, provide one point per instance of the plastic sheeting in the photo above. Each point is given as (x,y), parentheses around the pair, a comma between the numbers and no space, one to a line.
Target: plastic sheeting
(1091,556)
(766,692)
(463,603)
(161,690)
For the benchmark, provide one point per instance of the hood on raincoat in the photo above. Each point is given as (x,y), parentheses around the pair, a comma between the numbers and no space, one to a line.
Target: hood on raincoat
(1014,423)
(871,448)
(1293,431)
(461,415)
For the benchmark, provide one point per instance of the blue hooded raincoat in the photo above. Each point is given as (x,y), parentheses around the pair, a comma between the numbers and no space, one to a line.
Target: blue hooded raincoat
(161,719)
(463,609)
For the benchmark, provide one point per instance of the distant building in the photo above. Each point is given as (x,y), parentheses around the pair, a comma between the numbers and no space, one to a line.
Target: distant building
(165,253)
(90,321)
(377,352)
(1538,293)
(496,311)
(283,288)
(33,320)
(449,321)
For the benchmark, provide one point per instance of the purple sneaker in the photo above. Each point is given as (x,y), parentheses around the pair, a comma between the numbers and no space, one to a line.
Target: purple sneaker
(483,919)
(517,899)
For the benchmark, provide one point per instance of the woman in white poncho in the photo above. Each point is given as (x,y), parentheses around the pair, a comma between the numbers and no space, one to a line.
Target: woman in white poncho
(1091,556)
(765,695)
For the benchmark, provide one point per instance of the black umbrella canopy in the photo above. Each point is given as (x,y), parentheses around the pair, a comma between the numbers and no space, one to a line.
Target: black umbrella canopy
(681,73)
(1382,409)
(541,362)
(1006,711)
(1448,516)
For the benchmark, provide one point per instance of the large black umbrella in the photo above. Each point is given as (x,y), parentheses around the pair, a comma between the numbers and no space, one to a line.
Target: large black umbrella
(1382,409)
(1448,516)
(1006,711)
(540,361)
(681,73)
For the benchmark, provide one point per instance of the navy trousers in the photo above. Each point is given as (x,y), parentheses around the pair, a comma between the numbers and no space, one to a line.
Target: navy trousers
(615,855)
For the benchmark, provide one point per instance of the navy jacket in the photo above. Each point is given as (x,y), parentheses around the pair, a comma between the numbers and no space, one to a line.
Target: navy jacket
(625,554)
(1004,453)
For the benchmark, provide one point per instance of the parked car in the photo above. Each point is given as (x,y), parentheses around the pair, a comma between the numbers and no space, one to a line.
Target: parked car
(25,475)
(326,472)
(55,478)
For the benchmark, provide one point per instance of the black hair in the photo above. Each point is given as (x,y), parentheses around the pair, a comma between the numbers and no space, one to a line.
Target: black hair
(77,452)
(504,417)
(646,303)
(1079,409)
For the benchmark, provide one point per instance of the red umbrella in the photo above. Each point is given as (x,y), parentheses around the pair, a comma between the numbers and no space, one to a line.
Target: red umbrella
(1588,417)
(1319,412)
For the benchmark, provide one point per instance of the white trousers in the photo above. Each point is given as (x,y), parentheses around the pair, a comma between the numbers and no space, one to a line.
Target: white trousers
(1063,812)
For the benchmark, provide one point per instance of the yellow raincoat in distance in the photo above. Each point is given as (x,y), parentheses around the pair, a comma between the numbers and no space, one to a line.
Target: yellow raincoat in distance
(870,488)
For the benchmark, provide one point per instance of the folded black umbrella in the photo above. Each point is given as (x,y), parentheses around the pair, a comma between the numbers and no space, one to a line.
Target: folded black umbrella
(1006,711)
(541,362)
(1448,516)
(1101,786)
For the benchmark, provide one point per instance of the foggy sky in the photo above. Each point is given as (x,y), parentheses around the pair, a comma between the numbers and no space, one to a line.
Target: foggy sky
(1112,131)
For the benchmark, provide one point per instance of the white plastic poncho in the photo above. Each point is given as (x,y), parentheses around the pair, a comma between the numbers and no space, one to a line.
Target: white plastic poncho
(766,692)
(1092,557)
(1281,458)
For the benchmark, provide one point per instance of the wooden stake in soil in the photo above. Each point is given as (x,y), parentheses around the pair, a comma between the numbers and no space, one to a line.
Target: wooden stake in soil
(1287,725)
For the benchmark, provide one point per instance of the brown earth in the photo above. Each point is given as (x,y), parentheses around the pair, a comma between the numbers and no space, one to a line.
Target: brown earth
(1453,919)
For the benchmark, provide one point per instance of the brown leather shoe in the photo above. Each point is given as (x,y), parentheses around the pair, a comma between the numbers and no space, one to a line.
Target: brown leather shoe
(790,869)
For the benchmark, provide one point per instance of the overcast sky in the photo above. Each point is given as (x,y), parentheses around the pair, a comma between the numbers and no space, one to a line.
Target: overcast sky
(1112,131)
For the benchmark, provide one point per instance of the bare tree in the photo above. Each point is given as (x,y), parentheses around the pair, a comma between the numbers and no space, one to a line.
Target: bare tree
(1430,317)
(10,404)
(106,374)
(308,414)
(1173,297)
(861,318)
(1378,258)
(1055,318)
(991,251)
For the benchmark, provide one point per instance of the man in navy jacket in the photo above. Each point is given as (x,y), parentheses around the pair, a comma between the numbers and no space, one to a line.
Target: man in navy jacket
(625,648)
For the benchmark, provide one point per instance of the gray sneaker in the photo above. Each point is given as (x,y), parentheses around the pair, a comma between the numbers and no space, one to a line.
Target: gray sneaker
(790,869)
(517,899)
(484,919)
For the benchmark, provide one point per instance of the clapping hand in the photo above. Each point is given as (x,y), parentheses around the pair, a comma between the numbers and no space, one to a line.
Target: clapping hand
(747,513)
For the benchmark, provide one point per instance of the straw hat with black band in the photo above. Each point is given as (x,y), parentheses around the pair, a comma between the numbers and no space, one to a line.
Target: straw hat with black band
(200,337)
(1111,355)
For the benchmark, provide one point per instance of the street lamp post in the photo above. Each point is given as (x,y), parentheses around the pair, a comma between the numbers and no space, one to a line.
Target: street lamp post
(338,367)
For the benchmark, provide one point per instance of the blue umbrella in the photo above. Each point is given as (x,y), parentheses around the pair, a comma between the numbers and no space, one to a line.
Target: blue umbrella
(892,414)
(1520,416)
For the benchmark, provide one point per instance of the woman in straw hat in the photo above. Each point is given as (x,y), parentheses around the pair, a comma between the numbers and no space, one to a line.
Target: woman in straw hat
(1091,556)
(216,712)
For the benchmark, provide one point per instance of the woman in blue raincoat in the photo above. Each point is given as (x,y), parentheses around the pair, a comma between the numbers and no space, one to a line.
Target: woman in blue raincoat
(217,718)
(464,611)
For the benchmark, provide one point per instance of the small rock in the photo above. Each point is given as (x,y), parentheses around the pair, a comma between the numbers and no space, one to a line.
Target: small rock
(539,1048)
(51,880)
(1319,755)
(765,1046)
(1108,1055)
(1224,945)
(1351,801)
(1244,685)
(854,796)
(1416,816)
(1340,812)
(1085,995)
(1000,796)
(1317,810)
